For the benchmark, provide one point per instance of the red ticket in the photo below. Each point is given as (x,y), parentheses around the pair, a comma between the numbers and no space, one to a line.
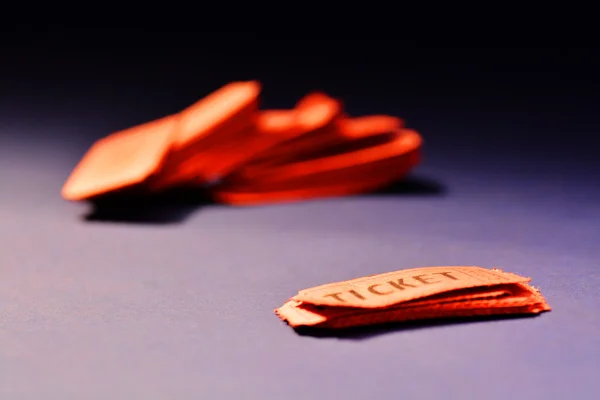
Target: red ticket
(413,294)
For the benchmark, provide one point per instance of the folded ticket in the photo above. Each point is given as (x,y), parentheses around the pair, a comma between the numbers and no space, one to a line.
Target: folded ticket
(413,294)
(226,144)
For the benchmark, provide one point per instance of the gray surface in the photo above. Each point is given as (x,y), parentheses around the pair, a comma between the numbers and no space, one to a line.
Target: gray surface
(111,311)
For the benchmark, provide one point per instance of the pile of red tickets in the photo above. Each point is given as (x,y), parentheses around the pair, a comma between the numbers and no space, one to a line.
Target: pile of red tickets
(244,155)
(412,295)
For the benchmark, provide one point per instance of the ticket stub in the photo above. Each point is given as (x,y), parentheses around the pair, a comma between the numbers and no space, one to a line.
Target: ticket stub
(413,294)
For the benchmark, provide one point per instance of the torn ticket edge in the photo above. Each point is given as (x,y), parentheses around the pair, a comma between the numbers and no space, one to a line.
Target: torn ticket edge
(414,294)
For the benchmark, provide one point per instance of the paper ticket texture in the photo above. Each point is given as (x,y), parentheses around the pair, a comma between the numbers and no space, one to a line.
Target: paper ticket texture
(413,294)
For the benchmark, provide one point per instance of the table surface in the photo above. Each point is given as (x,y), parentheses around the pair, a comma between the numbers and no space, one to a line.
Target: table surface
(182,306)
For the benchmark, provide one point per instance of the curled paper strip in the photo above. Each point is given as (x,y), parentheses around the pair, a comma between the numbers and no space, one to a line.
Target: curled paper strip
(413,294)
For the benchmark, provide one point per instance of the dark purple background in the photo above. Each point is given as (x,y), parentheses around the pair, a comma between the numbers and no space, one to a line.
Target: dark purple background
(178,303)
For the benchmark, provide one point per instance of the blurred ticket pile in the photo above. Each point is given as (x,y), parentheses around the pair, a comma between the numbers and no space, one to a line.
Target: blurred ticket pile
(242,154)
